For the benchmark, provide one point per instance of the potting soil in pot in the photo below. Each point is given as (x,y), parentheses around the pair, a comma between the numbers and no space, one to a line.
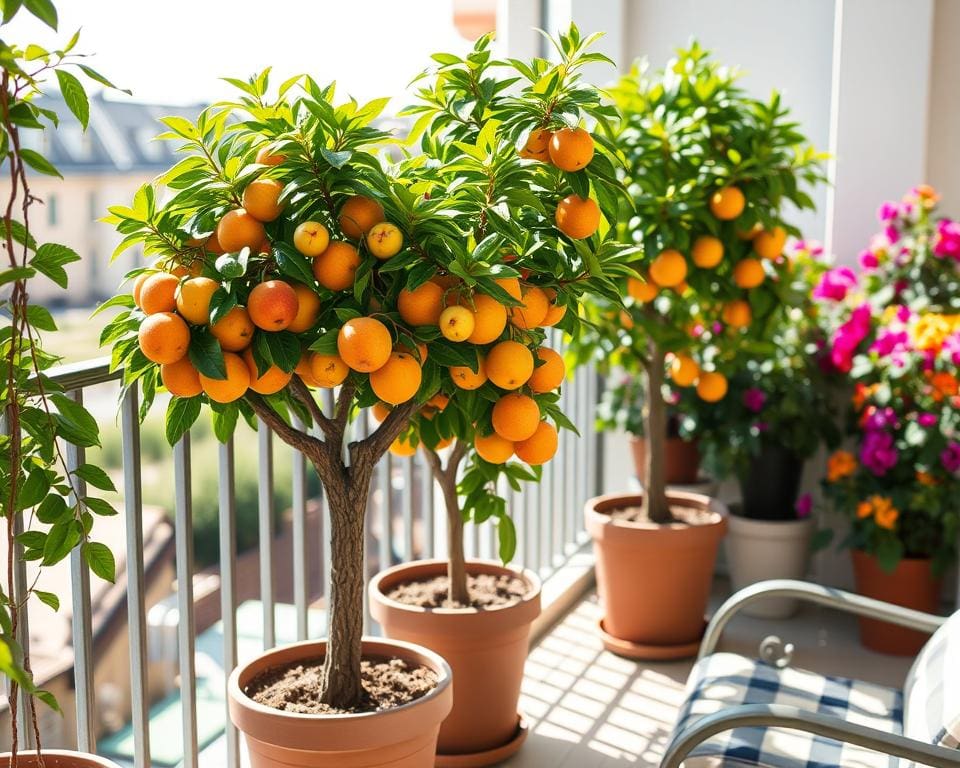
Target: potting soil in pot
(296,687)
(688,515)
(487,590)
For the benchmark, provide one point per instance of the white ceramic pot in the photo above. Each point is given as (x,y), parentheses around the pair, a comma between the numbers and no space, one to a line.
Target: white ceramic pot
(768,549)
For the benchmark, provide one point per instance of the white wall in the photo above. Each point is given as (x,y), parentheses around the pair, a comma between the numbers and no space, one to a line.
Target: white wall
(943,139)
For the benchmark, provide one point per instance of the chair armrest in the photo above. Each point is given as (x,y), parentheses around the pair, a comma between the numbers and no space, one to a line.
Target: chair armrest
(815,593)
(783,716)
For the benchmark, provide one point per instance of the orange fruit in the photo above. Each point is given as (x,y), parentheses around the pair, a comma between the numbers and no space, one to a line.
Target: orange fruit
(439,401)
(181,378)
(640,290)
(273,305)
(737,314)
(231,388)
(489,318)
(194,269)
(311,238)
(384,240)
(273,379)
(138,286)
(707,251)
(308,308)
(537,145)
(266,157)
(493,448)
(403,446)
(540,447)
(336,268)
(456,323)
(749,234)
(305,371)
(193,299)
(534,308)
(422,305)
(683,370)
(669,268)
(380,411)
(577,217)
(465,378)
(626,320)
(364,344)
(159,293)
(511,285)
(328,370)
(769,243)
(164,337)
(555,312)
(515,416)
(727,203)
(261,199)
(397,380)
(571,149)
(548,376)
(212,245)
(748,273)
(358,215)
(234,330)
(509,365)
(238,229)
(712,386)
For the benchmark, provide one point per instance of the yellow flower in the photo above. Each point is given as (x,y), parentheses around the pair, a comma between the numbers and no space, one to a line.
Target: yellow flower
(930,330)
(841,464)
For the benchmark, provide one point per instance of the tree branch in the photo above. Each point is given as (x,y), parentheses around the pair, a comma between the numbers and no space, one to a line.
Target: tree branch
(377,443)
(342,410)
(305,396)
(306,444)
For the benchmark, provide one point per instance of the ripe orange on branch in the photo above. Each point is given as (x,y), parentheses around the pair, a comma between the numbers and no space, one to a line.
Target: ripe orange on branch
(397,380)
(234,330)
(465,378)
(707,251)
(533,310)
(489,318)
(311,238)
(748,273)
(358,216)
(336,268)
(669,268)
(515,416)
(422,305)
(181,378)
(159,293)
(737,314)
(231,388)
(328,370)
(261,199)
(238,229)
(712,386)
(456,323)
(509,364)
(273,305)
(193,299)
(266,157)
(769,243)
(684,370)
(555,312)
(577,217)
(364,344)
(493,448)
(384,240)
(640,290)
(272,380)
(537,145)
(540,447)
(308,308)
(164,337)
(727,203)
(548,376)
(571,149)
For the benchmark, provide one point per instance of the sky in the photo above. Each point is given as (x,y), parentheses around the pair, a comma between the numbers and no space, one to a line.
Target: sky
(175,51)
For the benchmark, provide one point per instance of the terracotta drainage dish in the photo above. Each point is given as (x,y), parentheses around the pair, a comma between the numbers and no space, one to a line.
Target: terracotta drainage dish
(401,737)
(654,580)
(58,758)
(486,649)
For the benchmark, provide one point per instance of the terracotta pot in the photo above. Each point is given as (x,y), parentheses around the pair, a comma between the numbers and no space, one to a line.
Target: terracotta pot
(758,550)
(682,459)
(654,580)
(58,758)
(486,650)
(912,585)
(402,737)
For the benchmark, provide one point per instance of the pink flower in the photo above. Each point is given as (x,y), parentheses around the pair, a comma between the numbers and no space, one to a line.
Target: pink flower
(848,338)
(888,211)
(754,399)
(698,330)
(868,260)
(813,247)
(950,457)
(881,418)
(927,419)
(891,233)
(947,241)
(718,328)
(951,347)
(835,284)
(889,341)
(878,453)
(804,506)
(904,313)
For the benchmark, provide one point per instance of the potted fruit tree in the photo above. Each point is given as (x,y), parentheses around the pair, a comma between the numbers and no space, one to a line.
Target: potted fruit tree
(894,336)
(516,170)
(777,413)
(711,171)
(45,500)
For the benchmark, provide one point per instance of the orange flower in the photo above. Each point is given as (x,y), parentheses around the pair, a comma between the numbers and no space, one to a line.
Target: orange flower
(925,478)
(841,464)
(864,509)
(926,195)
(884,513)
(942,384)
(861,393)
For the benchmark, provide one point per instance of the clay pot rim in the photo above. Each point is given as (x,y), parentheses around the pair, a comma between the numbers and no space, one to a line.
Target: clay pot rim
(774,530)
(907,558)
(530,600)
(597,511)
(436,662)
(79,758)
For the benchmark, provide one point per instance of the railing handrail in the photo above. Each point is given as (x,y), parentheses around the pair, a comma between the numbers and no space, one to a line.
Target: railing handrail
(85,373)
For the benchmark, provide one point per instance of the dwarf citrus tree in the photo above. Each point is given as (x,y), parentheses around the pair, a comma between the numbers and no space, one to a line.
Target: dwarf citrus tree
(710,171)
(290,258)
(515,171)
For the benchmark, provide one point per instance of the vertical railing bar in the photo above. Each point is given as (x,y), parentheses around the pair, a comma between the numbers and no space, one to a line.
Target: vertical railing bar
(598,444)
(361,428)
(407,509)
(299,503)
(581,477)
(136,592)
(183,532)
(228,585)
(266,516)
(82,624)
(535,524)
(426,505)
(384,555)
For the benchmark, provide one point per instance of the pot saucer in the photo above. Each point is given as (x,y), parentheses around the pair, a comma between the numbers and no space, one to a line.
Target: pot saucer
(489,756)
(647,652)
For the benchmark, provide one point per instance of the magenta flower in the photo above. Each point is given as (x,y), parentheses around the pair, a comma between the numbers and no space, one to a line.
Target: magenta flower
(888,211)
(950,457)
(718,327)
(891,233)
(868,260)
(881,418)
(947,241)
(927,419)
(804,506)
(761,426)
(904,313)
(878,453)
(889,341)
(698,330)
(848,338)
(835,284)
(754,399)
(951,347)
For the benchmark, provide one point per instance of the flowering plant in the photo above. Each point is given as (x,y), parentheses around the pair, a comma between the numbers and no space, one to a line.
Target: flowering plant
(894,333)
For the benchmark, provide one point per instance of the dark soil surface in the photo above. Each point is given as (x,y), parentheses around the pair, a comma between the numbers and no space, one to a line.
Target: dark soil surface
(487,590)
(296,687)
(684,515)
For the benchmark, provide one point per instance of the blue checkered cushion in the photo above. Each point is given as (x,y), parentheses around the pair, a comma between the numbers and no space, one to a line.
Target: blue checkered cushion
(724,680)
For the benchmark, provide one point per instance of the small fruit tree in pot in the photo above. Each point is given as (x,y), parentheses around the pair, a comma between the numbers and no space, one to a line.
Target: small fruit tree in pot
(711,172)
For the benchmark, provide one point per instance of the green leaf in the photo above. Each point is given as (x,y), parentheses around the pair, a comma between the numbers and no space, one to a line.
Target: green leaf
(281,348)
(507,538)
(61,538)
(52,509)
(97,77)
(74,422)
(181,414)
(99,506)
(336,159)
(10,8)
(326,344)
(221,303)
(40,318)
(39,163)
(224,418)
(95,476)
(75,96)
(33,491)
(43,10)
(99,559)
(50,259)
(16,273)
(49,699)
(206,355)
(48,598)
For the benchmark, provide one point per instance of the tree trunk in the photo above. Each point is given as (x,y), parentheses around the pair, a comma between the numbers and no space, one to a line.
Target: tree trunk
(456,565)
(655,418)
